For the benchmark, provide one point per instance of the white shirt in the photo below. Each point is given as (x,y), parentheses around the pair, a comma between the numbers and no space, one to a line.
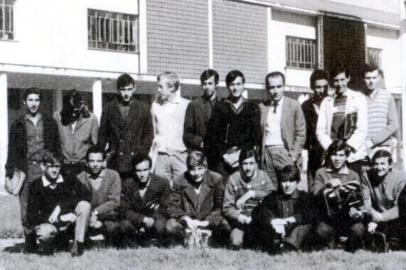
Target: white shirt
(273,134)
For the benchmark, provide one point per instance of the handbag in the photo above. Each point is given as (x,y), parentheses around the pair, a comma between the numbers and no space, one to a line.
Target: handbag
(13,185)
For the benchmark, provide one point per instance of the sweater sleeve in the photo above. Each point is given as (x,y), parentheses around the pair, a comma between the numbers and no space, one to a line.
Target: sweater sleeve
(392,124)
(299,133)
(113,196)
(229,203)
(393,213)
(190,138)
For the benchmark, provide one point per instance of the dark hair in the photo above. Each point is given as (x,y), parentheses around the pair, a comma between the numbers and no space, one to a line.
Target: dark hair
(232,75)
(94,149)
(371,68)
(336,146)
(207,74)
(124,80)
(48,157)
(340,68)
(273,75)
(196,158)
(318,74)
(382,154)
(289,172)
(139,158)
(248,153)
(30,91)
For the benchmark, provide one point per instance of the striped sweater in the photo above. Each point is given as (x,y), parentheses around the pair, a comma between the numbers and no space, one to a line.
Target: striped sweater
(382,116)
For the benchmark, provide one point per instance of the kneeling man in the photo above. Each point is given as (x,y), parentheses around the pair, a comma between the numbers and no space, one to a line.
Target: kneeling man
(144,204)
(196,201)
(284,218)
(55,203)
(104,187)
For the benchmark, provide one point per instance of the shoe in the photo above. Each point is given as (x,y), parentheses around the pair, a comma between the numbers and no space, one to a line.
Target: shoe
(286,247)
(77,249)
(377,242)
(30,244)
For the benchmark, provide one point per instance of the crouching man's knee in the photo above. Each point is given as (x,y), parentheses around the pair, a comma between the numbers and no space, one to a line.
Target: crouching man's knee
(83,208)
(237,238)
(46,232)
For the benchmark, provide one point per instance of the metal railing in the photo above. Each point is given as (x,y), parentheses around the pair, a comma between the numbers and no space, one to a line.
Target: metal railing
(301,53)
(7,19)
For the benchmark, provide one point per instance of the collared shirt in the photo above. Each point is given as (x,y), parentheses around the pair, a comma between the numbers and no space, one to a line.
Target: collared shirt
(46,182)
(288,204)
(95,183)
(124,110)
(35,139)
(324,175)
(142,191)
(273,134)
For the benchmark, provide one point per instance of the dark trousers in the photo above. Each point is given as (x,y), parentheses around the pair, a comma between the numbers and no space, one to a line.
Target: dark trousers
(73,169)
(296,237)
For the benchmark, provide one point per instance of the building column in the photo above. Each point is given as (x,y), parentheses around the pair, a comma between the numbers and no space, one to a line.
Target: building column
(97,98)
(3,128)
(210,32)
(403,72)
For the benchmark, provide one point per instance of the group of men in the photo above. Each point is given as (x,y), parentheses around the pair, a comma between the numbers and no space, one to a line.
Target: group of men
(225,169)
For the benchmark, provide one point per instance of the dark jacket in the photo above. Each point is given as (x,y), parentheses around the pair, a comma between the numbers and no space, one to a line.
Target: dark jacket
(135,208)
(235,129)
(274,206)
(206,205)
(17,143)
(43,200)
(126,137)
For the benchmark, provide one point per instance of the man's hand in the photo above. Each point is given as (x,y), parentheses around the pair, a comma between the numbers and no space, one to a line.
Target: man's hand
(335,182)
(372,227)
(241,201)
(53,218)
(355,213)
(278,224)
(243,219)
(148,221)
(376,216)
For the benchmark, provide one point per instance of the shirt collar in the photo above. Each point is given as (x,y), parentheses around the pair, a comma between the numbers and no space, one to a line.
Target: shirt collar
(176,98)
(343,170)
(46,182)
(374,93)
(101,175)
(29,119)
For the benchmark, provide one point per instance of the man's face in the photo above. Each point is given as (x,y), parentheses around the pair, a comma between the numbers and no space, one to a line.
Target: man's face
(95,162)
(236,87)
(209,86)
(249,166)
(338,160)
(341,82)
(166,88)
(197,173)
(382,166)
(321,88)
(276,87)
(32,103)
(143,171)
(372,79)
(127,92)
(52,171)
(288,187)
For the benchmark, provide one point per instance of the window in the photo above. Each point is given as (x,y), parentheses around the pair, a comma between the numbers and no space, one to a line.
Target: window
(374,56)
(7,19)
(112,31)
(300,53)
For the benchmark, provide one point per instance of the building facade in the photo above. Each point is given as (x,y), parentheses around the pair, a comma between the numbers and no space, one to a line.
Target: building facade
(87,44)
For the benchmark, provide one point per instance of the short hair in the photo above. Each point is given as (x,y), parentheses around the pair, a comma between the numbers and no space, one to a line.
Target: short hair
(382,154)
(340,68)
(209,73)
(336,146)
(318,74)
(274,74)
(49,158)
(196,158)
(124,80)
(371,68)
(93,150)
(248,153)
(30,91)
(139,158)
(289,172)
(232,75)
(172,76)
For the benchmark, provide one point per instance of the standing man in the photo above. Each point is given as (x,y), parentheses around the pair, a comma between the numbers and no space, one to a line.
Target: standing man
(125,127)
(78,131)
(382,116)
(311,107)
(382,186)
(168,115)
(283,127)
(144,204)
(103,186)
(344,117)
(198,124)
(29,136)
(235,125)
(244,191)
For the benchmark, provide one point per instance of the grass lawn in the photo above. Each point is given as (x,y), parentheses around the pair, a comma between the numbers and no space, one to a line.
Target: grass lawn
(180,258)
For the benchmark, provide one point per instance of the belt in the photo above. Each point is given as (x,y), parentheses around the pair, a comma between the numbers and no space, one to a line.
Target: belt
(274,146)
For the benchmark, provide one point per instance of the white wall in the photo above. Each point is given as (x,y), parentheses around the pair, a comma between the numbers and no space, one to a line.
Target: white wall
(54,34)
(287,24)
(389,42)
